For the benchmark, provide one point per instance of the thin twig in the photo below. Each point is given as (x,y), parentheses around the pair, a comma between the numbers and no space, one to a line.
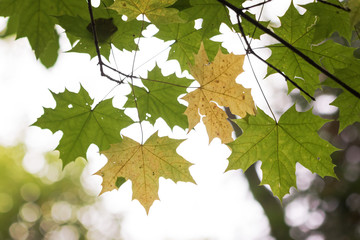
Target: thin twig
(335,5)
(292,48)
(261,11)
(133,88)
(256,5)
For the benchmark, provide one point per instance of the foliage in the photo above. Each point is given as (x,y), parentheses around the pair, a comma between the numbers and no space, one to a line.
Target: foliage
(279,144)
(294,133)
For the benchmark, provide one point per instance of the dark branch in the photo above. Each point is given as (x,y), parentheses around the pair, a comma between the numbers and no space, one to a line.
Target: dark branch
(292,48)
(334,5)
(96,42)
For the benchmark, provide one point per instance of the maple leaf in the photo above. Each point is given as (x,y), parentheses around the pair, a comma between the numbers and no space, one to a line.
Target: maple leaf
(160,98)
(280,145)
(156,11)
(217,84)
(144,164)
(81,124)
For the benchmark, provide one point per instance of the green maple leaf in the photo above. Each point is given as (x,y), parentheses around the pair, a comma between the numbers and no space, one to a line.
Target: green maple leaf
(329,20)
(81,124)
(156,11)
(160,98)
(348,104)
(280,146)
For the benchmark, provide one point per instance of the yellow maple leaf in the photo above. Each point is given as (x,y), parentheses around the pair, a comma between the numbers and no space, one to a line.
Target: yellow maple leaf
(156,11)
(144,165)
(217,84)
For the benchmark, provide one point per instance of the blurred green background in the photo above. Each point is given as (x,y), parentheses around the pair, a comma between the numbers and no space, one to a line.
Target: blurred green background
(52,204)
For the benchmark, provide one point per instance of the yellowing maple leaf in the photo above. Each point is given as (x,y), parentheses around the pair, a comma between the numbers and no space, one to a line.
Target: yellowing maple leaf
(156,11)
(144,165)
(217,84)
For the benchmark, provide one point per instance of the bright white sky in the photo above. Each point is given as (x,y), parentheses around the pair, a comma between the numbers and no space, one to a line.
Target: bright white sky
(220,206)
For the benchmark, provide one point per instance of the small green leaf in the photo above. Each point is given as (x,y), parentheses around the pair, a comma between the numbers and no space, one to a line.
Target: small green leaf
(280,146)
(81,124)
(160,98)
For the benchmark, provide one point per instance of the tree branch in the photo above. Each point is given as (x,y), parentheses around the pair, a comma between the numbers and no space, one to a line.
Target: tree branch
(96,42)
(292,48)
(334,5)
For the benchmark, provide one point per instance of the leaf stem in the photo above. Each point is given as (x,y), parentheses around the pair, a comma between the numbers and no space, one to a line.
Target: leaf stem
(261,11)
(132,84)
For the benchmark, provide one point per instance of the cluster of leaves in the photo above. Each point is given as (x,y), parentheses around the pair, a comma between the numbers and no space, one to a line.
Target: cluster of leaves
(279,144)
